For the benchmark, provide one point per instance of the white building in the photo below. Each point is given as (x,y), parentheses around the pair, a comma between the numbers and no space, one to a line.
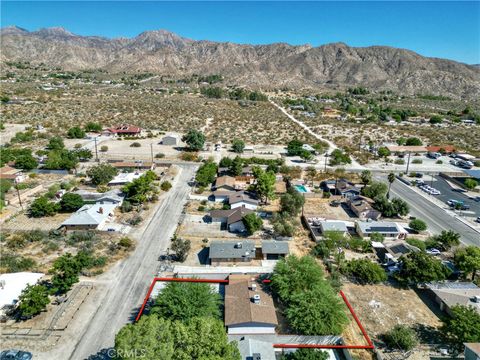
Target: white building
(171,140)
(90,217)
(389,230)
(12,285)
(124,178)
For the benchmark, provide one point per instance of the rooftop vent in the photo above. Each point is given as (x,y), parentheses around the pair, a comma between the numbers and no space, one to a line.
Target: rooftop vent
(253,287)
(256,356)
(238,245)
(256,299)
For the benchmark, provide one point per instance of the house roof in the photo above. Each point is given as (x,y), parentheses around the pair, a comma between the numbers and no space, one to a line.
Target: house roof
(223,193)
(9,173)
(114,194)
(13,285)
(123,178)
(90,215)
(232,215)
(224,249)
(225,181)
(240,196)
(474,347)
(447,148)
(239,306)
(248,347)
(456,293)
(132,164)
(361,203)
(413,149)
(124,129)
(378,226)
(333,226)
(275,247)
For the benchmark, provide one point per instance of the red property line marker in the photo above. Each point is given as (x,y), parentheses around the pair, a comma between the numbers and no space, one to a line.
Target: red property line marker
(285,346)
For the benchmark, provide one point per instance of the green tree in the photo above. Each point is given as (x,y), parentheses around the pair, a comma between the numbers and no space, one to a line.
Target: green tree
(166,185)
(56,143)
(401,337)
(65,272)
(206,173)
(61,160)
(157,338)
(252,223)
(26,162)
(41,207)
(366,176)
(291,202)
(365,271)
(391,179)
(413,141)
(338,157)
(306,155)
(419,267)
(265,184)
(311,173)
(467,259)
(294,148)
(194,139)
(418,225)
(84,154)
(470,184)
(101,174)
(75,133)
(375,189)
(236,166)
(93,127)
(384,152)
(238,145)
(446,239)
(181,247)
(462,327)
(33,300)
(306,354)
(71,202)
(184,301)
(435,119)
(141,189)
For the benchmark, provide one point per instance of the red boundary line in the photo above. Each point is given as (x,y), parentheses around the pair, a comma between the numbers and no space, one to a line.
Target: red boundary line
(370,345)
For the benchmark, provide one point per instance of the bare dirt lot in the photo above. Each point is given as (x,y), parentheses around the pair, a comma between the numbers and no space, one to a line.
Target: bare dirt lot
(320,207)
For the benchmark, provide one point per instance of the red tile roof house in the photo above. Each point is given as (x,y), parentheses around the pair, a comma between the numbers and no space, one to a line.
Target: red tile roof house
(448,149)
(123,130)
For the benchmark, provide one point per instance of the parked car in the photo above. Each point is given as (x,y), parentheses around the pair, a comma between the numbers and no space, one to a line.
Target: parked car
(433,251)
(335,203)
(478,219)
(15,355)
(419,175)
(453,162)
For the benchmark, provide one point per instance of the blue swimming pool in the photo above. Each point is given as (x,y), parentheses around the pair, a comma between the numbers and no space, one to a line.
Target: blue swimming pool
(301,188)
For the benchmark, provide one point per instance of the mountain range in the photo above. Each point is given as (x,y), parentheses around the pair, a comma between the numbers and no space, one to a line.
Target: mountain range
(333,66)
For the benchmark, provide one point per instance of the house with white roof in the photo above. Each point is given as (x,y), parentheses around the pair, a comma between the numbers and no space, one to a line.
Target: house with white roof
(12,285)
(90,217)
(389,230)
(124,178)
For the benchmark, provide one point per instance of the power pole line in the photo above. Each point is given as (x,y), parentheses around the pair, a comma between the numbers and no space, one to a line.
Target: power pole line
(96,150)
(408,162)
(151,151)
(18,194)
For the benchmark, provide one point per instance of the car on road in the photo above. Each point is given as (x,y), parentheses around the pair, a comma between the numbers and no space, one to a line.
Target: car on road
(15,355)
(433,251)
(453,162)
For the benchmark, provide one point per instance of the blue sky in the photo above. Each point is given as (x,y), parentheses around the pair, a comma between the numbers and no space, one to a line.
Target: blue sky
(440,29)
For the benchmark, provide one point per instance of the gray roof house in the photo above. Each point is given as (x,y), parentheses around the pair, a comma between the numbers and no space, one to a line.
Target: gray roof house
(450,293)
(333,226)
(388,229)
(273,250)
(223,251)
(170,140)
(241,198)
(232,218)
(114,196)
(89,217)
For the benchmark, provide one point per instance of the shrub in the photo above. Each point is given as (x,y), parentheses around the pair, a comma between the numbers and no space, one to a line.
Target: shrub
(181,248)
(71,202)
(252,222)
(101,174)
(135,144)
(417,243)
(41,207)
(470,184)
(400,162)
(135,220)
(75,133)
(417,161)
(189,156)
(418,225)
(159,156)
(401,337)
(125,242)
(104,148)
(365,271)
(165,186)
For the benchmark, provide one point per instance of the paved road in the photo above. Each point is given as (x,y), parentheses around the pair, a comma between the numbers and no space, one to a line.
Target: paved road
(436,217)
(127,283)
(448,193)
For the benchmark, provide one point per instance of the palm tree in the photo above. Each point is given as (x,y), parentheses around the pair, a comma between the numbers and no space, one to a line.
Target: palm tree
(366,176)
(391,179)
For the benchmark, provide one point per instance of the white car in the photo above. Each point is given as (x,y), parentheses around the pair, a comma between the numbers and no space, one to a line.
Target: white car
(433,251)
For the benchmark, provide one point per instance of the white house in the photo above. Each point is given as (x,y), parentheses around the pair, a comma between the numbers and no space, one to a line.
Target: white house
(12,285)
(124,178)
(242,199)
(232,218)
(389,230)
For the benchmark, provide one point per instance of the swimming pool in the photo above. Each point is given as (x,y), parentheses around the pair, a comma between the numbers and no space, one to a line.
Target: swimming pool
(301,188)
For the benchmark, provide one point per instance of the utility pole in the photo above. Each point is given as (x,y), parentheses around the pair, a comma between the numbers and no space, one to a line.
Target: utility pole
(408,162)
(326,156)
(18,194)
(96,150)
(151,151)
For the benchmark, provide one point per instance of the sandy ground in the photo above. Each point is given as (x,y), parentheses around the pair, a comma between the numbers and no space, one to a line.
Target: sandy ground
(320,207)
(10,131)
